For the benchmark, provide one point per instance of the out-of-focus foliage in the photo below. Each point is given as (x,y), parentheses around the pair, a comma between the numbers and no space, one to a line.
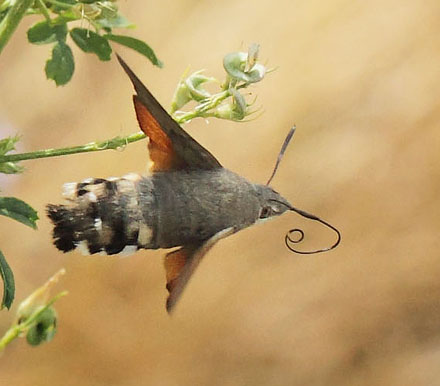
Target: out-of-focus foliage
(58,17)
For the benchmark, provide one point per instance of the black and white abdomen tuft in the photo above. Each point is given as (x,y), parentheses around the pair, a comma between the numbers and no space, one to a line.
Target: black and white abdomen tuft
(108,216)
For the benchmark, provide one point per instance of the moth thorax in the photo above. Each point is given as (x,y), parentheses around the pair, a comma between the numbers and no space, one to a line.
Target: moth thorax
(195,205)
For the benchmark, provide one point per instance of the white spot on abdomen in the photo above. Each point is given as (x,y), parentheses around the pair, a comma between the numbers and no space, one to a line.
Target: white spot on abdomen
(92,197)
(128,250)
(133,177)
(145,234)
(83,247)
(69,190)
(98,224)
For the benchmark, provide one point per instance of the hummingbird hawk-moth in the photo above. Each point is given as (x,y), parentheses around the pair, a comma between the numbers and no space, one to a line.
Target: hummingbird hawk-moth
(189,201)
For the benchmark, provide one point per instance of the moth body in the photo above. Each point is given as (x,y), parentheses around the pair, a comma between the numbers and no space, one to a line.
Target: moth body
(165,210)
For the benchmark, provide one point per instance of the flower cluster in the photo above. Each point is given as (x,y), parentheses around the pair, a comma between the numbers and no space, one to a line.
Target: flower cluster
(242,70)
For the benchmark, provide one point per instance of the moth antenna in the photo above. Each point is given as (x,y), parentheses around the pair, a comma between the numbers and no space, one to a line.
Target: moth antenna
(281,153)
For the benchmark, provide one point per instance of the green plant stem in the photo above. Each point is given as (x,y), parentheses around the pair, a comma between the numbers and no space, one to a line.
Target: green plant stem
(211,103)
(114,143)
(9,336)
(10,22)
(44,10)
(18,328)
(117,142)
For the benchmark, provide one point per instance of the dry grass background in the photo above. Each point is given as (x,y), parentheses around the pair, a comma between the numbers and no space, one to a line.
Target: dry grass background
(361,80)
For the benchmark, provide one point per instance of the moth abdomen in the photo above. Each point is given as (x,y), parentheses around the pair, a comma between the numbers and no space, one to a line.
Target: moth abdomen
(107,216)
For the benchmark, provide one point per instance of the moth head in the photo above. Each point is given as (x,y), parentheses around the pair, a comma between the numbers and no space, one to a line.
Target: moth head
(272,204)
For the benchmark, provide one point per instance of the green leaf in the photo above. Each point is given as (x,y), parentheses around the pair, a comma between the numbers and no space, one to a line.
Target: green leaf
(8,283)
(18,210)
(44,33)
(8,144)
(90,41)
(10,168)
(61,66)
(137,45)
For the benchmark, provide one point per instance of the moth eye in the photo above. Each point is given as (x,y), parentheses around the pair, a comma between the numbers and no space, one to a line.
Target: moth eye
(265,212)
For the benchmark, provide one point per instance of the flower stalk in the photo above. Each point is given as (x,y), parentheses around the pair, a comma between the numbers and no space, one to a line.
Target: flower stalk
(12,19)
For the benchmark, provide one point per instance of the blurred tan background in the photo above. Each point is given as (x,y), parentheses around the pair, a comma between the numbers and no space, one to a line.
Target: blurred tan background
(361,80)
